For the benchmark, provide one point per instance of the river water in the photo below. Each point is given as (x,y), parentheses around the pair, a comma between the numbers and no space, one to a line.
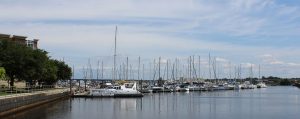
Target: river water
(270,103)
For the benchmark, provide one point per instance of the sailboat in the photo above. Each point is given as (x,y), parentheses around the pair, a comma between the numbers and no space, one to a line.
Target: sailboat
(125,90)
(159,87)
(261,84)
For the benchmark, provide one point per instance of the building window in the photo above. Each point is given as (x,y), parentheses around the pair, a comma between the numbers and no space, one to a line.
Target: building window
(30,43)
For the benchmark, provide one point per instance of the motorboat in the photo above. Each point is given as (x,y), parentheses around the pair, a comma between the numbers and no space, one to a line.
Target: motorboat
(127,89)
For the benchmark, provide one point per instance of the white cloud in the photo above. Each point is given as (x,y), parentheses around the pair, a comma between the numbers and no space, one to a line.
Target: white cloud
(219,59)
(270,59)
(276,62)
(248,65)
(293,64)
(78,29)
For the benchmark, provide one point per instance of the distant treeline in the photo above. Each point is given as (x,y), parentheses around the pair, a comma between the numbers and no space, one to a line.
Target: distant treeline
(270,80)
(281,81)
(34,66)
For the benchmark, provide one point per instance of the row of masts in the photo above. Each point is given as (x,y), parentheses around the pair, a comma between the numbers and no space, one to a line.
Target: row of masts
(178,70)
(168,70)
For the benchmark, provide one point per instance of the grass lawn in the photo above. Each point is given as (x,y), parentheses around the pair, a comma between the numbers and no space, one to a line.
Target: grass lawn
(3,93)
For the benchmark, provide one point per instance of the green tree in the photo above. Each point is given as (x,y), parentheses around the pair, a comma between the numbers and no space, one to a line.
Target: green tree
(24,63)
(13,58)
(35,66)
(55,70)
(64,71)
(285,82)
(2,73)
(49,73)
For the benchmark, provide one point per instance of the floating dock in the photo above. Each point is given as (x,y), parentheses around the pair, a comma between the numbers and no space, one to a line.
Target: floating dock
(86,95)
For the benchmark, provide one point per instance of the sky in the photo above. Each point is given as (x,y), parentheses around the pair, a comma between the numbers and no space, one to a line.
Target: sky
(246,33)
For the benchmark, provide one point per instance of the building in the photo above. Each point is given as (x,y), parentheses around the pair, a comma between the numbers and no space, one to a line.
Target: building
(20,40)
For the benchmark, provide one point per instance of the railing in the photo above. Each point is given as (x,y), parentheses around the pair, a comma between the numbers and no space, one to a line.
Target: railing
(12,99)
(6,92)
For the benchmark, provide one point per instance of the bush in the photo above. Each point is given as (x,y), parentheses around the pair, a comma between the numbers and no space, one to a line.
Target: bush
(285,82)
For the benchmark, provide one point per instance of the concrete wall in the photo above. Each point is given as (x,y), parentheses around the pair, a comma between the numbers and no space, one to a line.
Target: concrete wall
(19,103)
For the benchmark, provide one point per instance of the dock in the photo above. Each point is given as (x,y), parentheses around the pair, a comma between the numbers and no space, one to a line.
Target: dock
(86,95)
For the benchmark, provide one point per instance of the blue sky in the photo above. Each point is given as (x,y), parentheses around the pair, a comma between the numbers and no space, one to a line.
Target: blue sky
(247,32)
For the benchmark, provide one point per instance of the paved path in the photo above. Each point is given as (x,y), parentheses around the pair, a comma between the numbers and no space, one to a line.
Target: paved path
(47,92)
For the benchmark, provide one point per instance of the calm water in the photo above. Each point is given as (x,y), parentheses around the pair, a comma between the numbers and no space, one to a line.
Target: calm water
(270,103)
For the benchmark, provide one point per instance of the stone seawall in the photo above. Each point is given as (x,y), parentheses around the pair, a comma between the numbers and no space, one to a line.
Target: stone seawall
(10,105)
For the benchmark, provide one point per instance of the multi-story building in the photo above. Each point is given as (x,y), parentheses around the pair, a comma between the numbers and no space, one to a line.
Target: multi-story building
(20,40)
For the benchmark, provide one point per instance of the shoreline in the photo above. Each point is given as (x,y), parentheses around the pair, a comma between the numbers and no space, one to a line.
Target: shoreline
(10,105)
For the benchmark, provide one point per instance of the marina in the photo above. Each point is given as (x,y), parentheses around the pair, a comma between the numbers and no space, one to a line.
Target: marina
(181,81)
(145,59)
(132,90)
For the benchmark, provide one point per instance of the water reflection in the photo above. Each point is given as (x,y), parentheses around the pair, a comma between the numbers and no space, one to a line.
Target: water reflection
(274,102)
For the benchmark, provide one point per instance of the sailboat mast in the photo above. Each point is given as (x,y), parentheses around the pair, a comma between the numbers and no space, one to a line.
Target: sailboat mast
(199,67)
(194,69)
(143,72)
(89,69)
(139,68)
(251,74)
(209,64)
(259,71)
(154,70)
(98,63)
(230,71)
(167,69)
(115,54)
(102,70)
(141,83)
(159,68)
(190,68)
(240,71)
(127,68)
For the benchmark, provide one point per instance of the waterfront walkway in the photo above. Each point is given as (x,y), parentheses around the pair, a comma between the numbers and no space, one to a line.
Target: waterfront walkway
(47,92)
(10,104)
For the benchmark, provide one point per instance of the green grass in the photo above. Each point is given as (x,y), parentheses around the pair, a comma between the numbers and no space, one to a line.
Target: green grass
(3,93)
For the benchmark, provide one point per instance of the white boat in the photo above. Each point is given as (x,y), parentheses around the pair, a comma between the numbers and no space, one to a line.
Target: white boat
(194,88)
(215,87)
(261,85)
(127,89)
(247,85)
(252,86)
(237,86)
(229,87)
(156,89)
(221,86)
(182,88)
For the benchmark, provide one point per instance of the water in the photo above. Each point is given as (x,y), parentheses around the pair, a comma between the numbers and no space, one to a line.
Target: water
(270,103)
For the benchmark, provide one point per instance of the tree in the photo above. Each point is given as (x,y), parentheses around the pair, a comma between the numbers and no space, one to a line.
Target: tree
(36,65)
(13,58)
(24,63)
(64,71)
(285,82)
(2,73)
(49,73)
